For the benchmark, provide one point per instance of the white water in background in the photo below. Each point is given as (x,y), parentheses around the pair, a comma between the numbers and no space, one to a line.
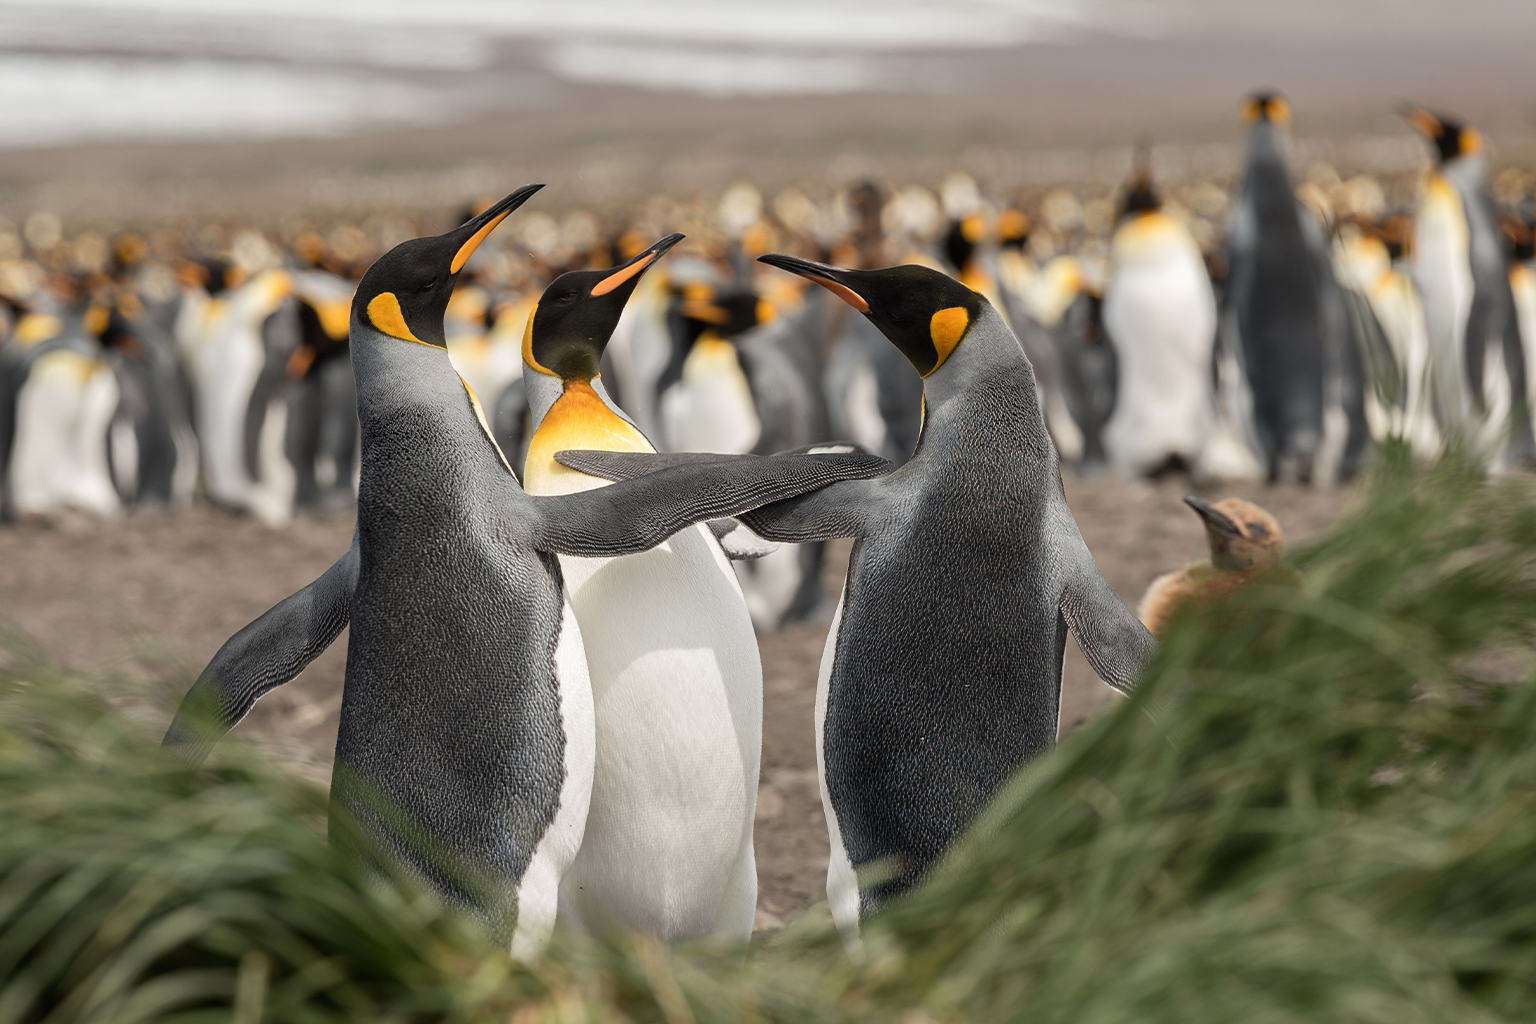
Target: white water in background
(81,69)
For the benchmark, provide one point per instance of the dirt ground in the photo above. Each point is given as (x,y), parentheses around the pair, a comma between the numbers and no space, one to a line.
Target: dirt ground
(142,604)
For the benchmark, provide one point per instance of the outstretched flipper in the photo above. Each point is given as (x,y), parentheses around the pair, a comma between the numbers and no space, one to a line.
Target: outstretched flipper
(846,509)
(1112,638)
(263,656)
(637,514)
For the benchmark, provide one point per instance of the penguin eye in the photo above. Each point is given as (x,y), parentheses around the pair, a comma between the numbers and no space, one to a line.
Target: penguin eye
(566,297)
(896,317)
(430,284)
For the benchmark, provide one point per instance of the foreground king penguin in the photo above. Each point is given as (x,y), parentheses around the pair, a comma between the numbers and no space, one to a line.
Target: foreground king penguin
(942,670)
(677,684)
(466,738)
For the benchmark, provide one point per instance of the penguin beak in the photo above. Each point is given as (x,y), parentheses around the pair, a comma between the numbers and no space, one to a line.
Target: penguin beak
(836,280)
(472,232)
(1213,518)
(1427,124)
(637,266)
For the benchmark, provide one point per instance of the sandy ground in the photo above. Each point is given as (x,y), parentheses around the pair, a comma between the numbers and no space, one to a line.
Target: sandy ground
(142,604)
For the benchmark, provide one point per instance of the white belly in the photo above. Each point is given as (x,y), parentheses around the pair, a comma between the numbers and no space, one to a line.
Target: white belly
(539,888)
(1162,318)
(59,456)
(842,882)
(677,696)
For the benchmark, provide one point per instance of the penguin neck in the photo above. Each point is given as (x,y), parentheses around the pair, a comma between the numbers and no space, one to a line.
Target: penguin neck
(1468,173)
(1267,184)
(582,416)
(988,351)
(409,393)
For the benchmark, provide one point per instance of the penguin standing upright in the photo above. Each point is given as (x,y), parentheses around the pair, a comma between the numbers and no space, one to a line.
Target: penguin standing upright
(676,677)
(1477,359)
(322,400)
(221,332)
(65,399)
(705,401)
(466,738)
(942,671)
(1276,300)
(1161,314)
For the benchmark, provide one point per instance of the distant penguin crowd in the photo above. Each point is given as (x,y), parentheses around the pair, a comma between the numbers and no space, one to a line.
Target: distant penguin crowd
(592,461)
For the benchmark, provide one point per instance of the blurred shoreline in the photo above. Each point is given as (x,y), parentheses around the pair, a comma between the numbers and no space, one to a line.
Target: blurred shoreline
(1029,116)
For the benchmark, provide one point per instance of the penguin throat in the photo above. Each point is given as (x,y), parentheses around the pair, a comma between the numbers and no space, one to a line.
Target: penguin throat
(578,419)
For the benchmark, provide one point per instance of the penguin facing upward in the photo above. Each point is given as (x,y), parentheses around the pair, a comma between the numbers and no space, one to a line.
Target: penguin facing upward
(466,738)
(676,677)
(1277,305)
(1245,542)
(1477,359)
(1161,313)
(942,670)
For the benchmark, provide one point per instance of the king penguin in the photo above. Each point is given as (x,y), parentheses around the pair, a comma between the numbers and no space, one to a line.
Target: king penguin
(942,670)
(1276,302)
(1161,313)
(676,678)
(466,740)
(1477,362)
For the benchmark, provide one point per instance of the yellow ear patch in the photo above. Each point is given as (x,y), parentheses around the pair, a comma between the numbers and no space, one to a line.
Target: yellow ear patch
(384,313)
(1471,141)
(946,329)
(528,344)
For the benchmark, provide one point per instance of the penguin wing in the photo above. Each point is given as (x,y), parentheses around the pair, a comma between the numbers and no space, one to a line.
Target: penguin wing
(1112,638)
(637,514)
(841,509)
(263,656)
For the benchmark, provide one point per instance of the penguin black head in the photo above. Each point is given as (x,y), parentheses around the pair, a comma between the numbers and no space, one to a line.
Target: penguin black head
(1452,138)
(1140,195)
(577,313)
(1013,229)
(729,314)
(922,312)
(1241,534)
(1267,106)
(405,293)
(963,237)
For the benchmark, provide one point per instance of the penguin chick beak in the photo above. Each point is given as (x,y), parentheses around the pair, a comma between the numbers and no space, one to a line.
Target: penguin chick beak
(636,266)
(833,279)
(1213,518)
(472,232)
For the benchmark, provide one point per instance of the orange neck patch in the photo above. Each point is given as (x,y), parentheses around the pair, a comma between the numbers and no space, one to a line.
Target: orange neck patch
(946,329)
(580,419)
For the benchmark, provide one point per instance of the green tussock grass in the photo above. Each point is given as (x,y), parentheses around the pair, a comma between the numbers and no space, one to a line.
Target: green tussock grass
(1321,805)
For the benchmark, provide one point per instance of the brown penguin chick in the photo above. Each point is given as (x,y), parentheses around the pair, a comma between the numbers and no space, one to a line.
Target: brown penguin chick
(1245,541)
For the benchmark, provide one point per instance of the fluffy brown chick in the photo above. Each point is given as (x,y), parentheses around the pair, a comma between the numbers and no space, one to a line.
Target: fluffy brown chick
(1245,540)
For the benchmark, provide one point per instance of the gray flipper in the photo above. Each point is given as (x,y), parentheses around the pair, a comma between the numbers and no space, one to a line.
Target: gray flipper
(637,514)
(263,656)
(843,509)
(1113,640)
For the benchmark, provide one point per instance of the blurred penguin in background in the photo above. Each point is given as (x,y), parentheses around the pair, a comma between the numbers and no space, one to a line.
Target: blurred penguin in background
(1521,230)
(1370,254)
(322,438)
(1160,311)
(1301,359)
(1477,358)
(63,395)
